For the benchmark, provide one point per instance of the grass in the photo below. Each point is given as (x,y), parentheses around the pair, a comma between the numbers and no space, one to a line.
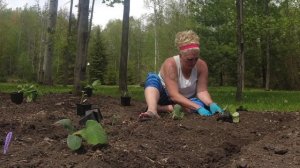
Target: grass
(253,99)
(258,99)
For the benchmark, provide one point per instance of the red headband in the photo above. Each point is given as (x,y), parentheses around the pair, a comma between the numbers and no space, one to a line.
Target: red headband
(189,46)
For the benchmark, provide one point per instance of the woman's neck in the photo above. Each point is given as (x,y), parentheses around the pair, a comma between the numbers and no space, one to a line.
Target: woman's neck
(185,71)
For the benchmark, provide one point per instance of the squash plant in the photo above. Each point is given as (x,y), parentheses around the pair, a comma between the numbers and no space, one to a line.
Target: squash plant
(177,113)
(93,133)
(30,92)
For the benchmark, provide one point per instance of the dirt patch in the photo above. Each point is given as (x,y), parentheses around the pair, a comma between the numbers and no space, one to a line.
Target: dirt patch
(260,140)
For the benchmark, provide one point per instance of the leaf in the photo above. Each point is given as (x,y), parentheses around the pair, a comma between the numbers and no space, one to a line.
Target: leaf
(93,133)
(74,142)
(67,124)
(95,83)
(177,113)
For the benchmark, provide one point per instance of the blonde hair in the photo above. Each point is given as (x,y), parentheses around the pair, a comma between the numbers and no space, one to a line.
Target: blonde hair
(186,37)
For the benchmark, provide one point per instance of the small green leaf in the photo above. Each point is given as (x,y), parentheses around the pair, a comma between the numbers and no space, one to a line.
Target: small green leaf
(74,142)
(93,133)
(177,113)
(67,124)
(95,83)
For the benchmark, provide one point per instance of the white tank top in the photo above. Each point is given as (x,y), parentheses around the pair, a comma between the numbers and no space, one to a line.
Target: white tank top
(187,87)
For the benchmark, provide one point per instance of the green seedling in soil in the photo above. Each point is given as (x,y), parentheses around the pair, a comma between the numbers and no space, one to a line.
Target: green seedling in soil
(30,92)
(93,85)
(229,109)
(177,113)
(231,114)
(83,98)
(93,133)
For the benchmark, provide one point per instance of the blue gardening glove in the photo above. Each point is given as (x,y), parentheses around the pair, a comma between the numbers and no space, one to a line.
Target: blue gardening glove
(202,111)
(214,108)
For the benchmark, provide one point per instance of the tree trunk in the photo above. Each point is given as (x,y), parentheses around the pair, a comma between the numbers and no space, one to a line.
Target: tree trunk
(89,33)
(156,53)
(267,86)
(82,36)
(47,68)
(91,20)
(124,48)
(68,52)
(240,45)
(40,73)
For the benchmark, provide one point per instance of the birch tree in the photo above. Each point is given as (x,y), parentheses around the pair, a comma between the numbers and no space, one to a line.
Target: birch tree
(47,68)
(82,37)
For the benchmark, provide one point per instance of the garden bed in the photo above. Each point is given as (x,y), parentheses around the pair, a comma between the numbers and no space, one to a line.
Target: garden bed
(261,139)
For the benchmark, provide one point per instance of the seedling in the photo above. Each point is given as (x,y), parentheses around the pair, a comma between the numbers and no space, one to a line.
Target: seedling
(177,113)
(93,85)
(30,92)
(93,134)
(83,98)
(231,114)
(125,94)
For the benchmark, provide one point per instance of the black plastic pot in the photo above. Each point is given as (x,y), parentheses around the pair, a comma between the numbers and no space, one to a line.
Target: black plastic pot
(82,108)
(225,117)
(125,101)
(93,114)
(16,97)
(88,91)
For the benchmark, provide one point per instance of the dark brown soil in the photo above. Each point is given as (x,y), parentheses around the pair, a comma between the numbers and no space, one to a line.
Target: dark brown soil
(261,139)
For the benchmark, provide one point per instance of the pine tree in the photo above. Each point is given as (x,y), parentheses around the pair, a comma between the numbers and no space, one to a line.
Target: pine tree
(97,55)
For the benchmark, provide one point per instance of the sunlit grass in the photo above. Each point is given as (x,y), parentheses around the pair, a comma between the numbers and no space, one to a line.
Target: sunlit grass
(258,99)
(253,99)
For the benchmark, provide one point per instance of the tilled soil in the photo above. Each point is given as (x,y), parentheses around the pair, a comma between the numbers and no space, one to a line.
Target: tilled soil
(261,139)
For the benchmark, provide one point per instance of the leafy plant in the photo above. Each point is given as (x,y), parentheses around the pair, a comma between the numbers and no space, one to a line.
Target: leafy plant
(177,113)
(93,84)
(30,92)
(125,94)
(83,98)
(93,133)
(229,109)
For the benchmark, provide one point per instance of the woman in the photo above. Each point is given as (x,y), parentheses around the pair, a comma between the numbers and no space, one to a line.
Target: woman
(182,80)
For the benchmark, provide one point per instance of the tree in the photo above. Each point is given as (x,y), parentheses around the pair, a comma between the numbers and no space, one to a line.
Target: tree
(240,53)
(124,48)
(67,53)
(97,55)
(267,83)
(112,35)
(50,42)
(82,37)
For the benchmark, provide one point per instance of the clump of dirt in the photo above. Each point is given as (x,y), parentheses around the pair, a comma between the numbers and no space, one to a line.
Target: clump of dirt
(261,139)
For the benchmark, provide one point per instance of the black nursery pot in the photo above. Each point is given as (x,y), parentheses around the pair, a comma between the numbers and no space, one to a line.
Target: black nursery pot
(16,97)
(81,108)
(88,91)
(125,101)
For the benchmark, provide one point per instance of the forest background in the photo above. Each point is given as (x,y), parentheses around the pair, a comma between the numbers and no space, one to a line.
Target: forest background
(271,29)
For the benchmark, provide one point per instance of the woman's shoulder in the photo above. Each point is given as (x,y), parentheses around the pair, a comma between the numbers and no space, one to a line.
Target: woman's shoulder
(201,65)
(168,65)
(201,62)
(169,61)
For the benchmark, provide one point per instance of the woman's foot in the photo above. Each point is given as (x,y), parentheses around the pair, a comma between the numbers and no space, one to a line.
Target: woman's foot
(148,115)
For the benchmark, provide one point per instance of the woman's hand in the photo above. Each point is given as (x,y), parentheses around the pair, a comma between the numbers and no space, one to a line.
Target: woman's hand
(214,108)
(202,111)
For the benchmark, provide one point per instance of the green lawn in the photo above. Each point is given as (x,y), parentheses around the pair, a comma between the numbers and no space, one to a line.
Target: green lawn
(254,99)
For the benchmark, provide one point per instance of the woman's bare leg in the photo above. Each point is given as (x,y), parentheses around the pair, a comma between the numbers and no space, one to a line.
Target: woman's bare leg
(165,108)
(152,97)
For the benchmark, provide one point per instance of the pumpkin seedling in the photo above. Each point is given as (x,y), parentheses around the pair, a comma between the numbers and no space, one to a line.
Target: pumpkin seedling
(93,134)
(177,113)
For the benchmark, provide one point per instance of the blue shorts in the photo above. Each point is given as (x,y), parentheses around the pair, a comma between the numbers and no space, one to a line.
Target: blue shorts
(153,80)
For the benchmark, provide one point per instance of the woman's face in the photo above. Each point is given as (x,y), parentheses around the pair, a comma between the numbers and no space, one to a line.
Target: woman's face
(189,58)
